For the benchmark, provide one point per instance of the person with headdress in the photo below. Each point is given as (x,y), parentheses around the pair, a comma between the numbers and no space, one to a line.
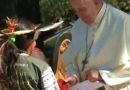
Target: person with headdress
(20,71)
(29,43)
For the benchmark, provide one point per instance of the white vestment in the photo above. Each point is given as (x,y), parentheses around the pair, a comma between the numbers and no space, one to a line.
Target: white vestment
(110,52)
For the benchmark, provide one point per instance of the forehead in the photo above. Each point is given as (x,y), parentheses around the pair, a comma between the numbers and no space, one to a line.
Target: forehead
(80,3)
(76,2)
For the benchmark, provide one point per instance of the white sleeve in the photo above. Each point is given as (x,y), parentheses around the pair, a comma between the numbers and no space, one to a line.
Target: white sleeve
(118,76)
(49,80)
(121,74)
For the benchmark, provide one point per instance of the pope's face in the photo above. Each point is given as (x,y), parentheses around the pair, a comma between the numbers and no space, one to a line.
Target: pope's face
(85,9)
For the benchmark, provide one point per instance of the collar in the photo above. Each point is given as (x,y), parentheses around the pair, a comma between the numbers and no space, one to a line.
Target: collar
(99,17)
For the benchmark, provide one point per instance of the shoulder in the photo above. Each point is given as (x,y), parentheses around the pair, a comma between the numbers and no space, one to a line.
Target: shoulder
(42,65)
(77,27)
(117,13)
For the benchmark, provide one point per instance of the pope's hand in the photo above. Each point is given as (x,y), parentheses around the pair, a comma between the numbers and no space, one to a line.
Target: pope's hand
(93,75)
(71,80)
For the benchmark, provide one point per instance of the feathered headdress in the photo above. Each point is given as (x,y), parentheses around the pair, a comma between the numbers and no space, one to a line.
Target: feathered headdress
(11,32)
(12,24)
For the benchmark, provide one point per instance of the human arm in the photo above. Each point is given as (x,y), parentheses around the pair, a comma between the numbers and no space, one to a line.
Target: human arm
(71,80)
(72,75)
(49,80)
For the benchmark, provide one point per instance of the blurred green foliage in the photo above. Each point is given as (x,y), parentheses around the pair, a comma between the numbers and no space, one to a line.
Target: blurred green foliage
(54,10)
(124,5)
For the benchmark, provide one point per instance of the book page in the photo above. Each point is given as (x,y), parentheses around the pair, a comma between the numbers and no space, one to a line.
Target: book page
(86,85)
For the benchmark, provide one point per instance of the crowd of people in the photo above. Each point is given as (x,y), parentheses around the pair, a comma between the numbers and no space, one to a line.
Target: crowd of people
(96,49)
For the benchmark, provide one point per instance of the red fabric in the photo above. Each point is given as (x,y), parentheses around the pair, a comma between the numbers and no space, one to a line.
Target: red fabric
(62,84)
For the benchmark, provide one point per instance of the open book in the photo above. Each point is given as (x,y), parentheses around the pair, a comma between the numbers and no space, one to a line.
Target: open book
(86,85)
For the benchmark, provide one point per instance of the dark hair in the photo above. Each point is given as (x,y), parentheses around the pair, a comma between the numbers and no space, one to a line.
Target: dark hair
(64,35)
(59,40)
(21,40)
(9,56)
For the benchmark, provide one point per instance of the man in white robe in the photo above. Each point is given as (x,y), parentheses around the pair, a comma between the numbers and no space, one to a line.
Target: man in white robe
(105,39)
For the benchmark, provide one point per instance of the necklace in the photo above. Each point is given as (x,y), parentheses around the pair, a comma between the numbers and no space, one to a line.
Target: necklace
(88,48)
